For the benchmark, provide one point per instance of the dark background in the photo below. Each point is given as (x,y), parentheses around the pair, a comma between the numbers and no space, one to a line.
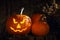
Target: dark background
(10,7)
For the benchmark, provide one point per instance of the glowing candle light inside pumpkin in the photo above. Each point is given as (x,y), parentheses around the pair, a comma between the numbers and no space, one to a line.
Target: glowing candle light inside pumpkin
(19,24)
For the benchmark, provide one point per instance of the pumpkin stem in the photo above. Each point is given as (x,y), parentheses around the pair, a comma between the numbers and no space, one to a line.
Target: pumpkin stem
(22,10)
(43,18)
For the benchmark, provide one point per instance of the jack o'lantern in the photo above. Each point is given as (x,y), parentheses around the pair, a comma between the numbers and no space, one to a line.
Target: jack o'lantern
(18,24)
(40,28)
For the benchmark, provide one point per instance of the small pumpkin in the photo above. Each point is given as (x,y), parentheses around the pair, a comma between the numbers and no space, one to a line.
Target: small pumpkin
(36,17)
(18,24)
(40,28)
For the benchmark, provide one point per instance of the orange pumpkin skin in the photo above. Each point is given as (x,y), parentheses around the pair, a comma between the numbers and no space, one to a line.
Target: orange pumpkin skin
(40,28)
(36,17)
(18,24)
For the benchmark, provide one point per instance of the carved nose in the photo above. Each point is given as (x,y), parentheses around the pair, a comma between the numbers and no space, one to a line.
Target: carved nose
(19,26)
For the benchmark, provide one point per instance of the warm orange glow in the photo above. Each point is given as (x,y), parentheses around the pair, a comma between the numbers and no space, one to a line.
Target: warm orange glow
(19,26)
(14,21)
(18,30)
(22,22)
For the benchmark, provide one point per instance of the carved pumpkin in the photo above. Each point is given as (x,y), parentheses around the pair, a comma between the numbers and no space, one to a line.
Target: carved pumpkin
(18,24)
(40,28)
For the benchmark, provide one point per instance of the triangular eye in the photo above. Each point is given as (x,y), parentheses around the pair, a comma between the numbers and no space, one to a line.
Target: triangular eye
(14,21)
(22,22)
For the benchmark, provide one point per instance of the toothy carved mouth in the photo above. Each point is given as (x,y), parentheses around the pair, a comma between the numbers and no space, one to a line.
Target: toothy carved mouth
(18,30)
